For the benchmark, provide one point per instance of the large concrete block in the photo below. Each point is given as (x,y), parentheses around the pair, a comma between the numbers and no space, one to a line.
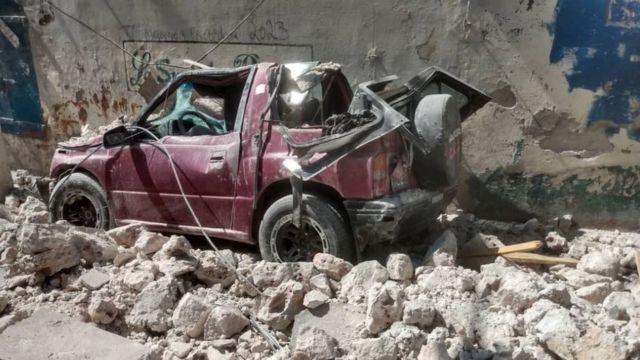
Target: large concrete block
(49,335)
(340,321)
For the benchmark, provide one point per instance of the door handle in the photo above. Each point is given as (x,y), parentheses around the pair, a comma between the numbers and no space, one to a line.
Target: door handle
(216,156)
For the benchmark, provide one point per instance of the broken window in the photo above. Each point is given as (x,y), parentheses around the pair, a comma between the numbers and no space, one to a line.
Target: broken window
(197,108)
(312,95)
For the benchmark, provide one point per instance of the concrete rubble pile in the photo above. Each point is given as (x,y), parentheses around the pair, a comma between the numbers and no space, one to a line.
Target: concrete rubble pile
(183,303)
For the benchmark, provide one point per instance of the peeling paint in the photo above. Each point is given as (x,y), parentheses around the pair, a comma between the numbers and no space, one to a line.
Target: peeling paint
(601,41)
(597,197)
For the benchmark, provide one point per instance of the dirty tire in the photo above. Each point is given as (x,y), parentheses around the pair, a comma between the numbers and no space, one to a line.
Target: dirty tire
(317,210)
(92,199)
(437,124)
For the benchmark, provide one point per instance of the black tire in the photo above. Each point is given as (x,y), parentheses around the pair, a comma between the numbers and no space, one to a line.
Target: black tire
(80,200)
(317,212)
(437,123)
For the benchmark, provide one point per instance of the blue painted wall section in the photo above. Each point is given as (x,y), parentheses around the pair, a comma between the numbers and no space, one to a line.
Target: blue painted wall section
(20,111)
(602,38)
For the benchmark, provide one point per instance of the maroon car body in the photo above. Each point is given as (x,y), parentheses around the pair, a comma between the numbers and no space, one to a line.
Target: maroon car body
(231,178)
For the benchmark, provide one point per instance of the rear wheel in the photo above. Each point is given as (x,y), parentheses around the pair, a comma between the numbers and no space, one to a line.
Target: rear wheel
(80,200)
(324,229)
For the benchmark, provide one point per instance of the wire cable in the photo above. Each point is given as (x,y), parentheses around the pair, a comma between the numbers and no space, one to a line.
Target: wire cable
(235,28)
(88,27)
(141,61)
(254,324)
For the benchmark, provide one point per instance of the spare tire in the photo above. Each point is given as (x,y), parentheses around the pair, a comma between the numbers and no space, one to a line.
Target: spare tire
(437,124)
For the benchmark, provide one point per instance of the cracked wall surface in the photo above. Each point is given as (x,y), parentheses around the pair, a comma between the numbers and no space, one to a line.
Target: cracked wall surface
(561,136)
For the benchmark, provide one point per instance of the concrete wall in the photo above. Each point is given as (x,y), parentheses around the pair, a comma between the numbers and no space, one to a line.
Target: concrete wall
(562,137)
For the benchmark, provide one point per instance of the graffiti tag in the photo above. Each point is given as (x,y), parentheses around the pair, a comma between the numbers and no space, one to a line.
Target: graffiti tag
(246,59)
(141,63)
(270,31)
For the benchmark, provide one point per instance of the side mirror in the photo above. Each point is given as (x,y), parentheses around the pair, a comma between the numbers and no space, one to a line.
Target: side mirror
(117,136)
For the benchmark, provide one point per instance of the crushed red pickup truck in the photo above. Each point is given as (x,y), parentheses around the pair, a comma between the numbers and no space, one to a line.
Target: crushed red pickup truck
(286,156)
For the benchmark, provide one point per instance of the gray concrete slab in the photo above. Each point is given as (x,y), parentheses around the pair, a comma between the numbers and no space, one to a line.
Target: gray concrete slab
(341,321)
(49,335)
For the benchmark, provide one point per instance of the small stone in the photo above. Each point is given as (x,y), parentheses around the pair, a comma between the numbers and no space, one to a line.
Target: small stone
(102,311)
(281,306)
(177,246)
(313,343)
(124,256)
(152,311)
(213,270)
(601,263)
(331,265)
(565,223)
(444,251)
(150,242)
(553,325)
(180,349)
(223,343)
(595,293)
(434,351)
(176,268)
(314,298)
(464,284)
(355,285)
(271,274)
(400,267)
(81,298)
(407,338)
(382,348)
(577,250)
(384,306)
(9,255)
(259,347)
(618,305)
(418,312)
(126,235)
(556,243)
(215,354)
(137,279)
(223,322)
(7,321)
(190,315)
(531,226)
(321,283)
(578,278)
(94,279)
(4,301)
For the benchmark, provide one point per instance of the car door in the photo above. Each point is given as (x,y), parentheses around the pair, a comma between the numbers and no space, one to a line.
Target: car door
(142,182)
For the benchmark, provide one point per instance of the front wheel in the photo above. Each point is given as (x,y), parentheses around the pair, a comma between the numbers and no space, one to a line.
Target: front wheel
(324,229)
(81,201)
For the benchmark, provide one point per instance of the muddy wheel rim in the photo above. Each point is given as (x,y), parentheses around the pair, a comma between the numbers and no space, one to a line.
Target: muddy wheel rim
(288,244)
(78,208)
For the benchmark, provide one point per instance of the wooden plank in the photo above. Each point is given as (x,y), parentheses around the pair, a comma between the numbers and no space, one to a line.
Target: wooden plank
(523,247)
(637,255)
(528,258)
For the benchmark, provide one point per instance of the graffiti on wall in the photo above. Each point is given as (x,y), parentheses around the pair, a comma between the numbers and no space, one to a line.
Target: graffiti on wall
(148,75)
(20,111)
(601,39)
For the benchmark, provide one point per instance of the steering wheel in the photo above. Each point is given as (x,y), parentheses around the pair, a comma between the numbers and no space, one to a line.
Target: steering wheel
(181,121)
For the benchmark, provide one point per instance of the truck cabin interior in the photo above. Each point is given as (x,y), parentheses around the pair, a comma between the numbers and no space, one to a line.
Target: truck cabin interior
(311,95)
(197,105)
